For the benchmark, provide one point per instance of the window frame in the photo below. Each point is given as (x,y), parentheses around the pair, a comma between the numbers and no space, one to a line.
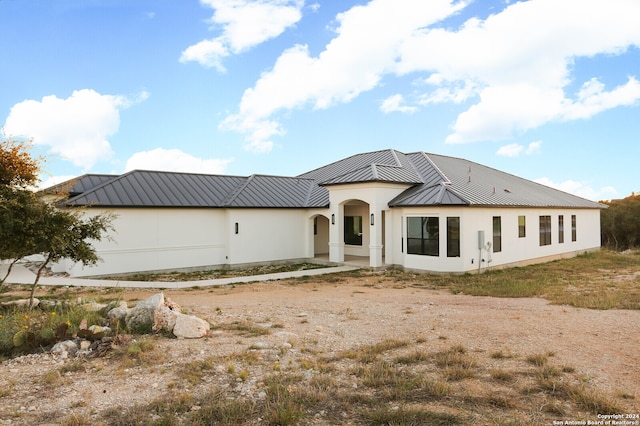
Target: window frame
(522,227)
(561,229)
(574,228)
(545,230)
(453,236)
(351,235)
(428,241)
(497,234)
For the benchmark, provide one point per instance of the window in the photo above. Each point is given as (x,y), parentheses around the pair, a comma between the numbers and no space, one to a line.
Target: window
(353,230)
(497,234)
(560,229)
(574,232)
(423,236)
(522,226)
(453,237)
(545,230)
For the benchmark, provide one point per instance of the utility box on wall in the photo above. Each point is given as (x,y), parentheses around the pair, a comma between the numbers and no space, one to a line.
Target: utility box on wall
(480,240)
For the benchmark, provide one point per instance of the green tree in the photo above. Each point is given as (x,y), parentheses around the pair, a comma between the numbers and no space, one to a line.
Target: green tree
(21,213)
(31,225)
(66,234)
(620,223)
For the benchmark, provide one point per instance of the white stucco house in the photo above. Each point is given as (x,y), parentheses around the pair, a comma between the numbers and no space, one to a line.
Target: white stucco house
(416,211)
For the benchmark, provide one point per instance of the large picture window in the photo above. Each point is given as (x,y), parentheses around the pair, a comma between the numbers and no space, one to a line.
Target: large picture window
(453,237)
(545,230)
(497,234)
(423,236)
(353,230)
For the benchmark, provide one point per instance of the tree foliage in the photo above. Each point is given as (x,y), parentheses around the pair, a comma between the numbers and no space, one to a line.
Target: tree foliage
(31,225)
(18,168)
(620,223)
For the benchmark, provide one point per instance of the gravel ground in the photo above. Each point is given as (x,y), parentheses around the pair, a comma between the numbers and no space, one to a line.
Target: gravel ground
(603,346)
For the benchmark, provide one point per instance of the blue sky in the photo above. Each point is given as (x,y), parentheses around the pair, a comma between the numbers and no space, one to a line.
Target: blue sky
(544,89)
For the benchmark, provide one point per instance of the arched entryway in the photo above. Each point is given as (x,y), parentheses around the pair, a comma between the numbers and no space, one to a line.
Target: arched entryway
(356,234)
(320,237)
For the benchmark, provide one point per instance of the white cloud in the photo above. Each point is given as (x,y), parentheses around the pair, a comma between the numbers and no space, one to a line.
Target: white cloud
(245,24)
(515,65)
(366,45)
(533,147)
(519,63)
(394,104)
(53,180)
(514,149)
(593,99)
(76,128)
(176,161)
(580,189)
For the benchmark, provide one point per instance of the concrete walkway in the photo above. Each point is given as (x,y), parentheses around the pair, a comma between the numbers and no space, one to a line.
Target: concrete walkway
(22,275)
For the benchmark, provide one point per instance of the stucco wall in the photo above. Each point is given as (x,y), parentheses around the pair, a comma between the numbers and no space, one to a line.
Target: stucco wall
(266,235)
(157,239)
(515,250)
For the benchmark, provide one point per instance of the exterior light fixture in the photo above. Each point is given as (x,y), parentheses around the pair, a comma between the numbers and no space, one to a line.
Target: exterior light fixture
(237,228)
(333,219)
(371,219)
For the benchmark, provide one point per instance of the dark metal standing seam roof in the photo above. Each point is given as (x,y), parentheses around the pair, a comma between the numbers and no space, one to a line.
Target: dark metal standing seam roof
(81,184)
(484,186)
(434,179)
(140,188)
(350,164)
(272,192)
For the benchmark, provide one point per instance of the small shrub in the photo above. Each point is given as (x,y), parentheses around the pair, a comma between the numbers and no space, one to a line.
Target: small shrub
(537,359)
(501,375)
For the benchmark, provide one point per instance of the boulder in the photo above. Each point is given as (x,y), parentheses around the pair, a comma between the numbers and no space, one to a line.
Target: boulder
(66,348)
(142,316)
(118,313)
(21,303)
(159,314)
(164,319)
(190,327)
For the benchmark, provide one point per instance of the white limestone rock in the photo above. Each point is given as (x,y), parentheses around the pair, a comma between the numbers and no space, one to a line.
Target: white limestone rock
(143,315)
(190,327)
(118,313)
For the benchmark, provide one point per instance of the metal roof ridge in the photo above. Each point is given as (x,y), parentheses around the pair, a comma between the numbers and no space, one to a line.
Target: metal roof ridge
(448,187)
(445,178)
(374,171)
(372,166)
(348,158)
(236,191)
(395,155)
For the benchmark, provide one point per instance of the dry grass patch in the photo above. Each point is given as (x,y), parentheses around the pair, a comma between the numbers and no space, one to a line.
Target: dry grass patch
(396,382)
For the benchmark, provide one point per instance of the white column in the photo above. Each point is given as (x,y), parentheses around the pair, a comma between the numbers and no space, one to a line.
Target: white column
(375,238)
(336,233)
